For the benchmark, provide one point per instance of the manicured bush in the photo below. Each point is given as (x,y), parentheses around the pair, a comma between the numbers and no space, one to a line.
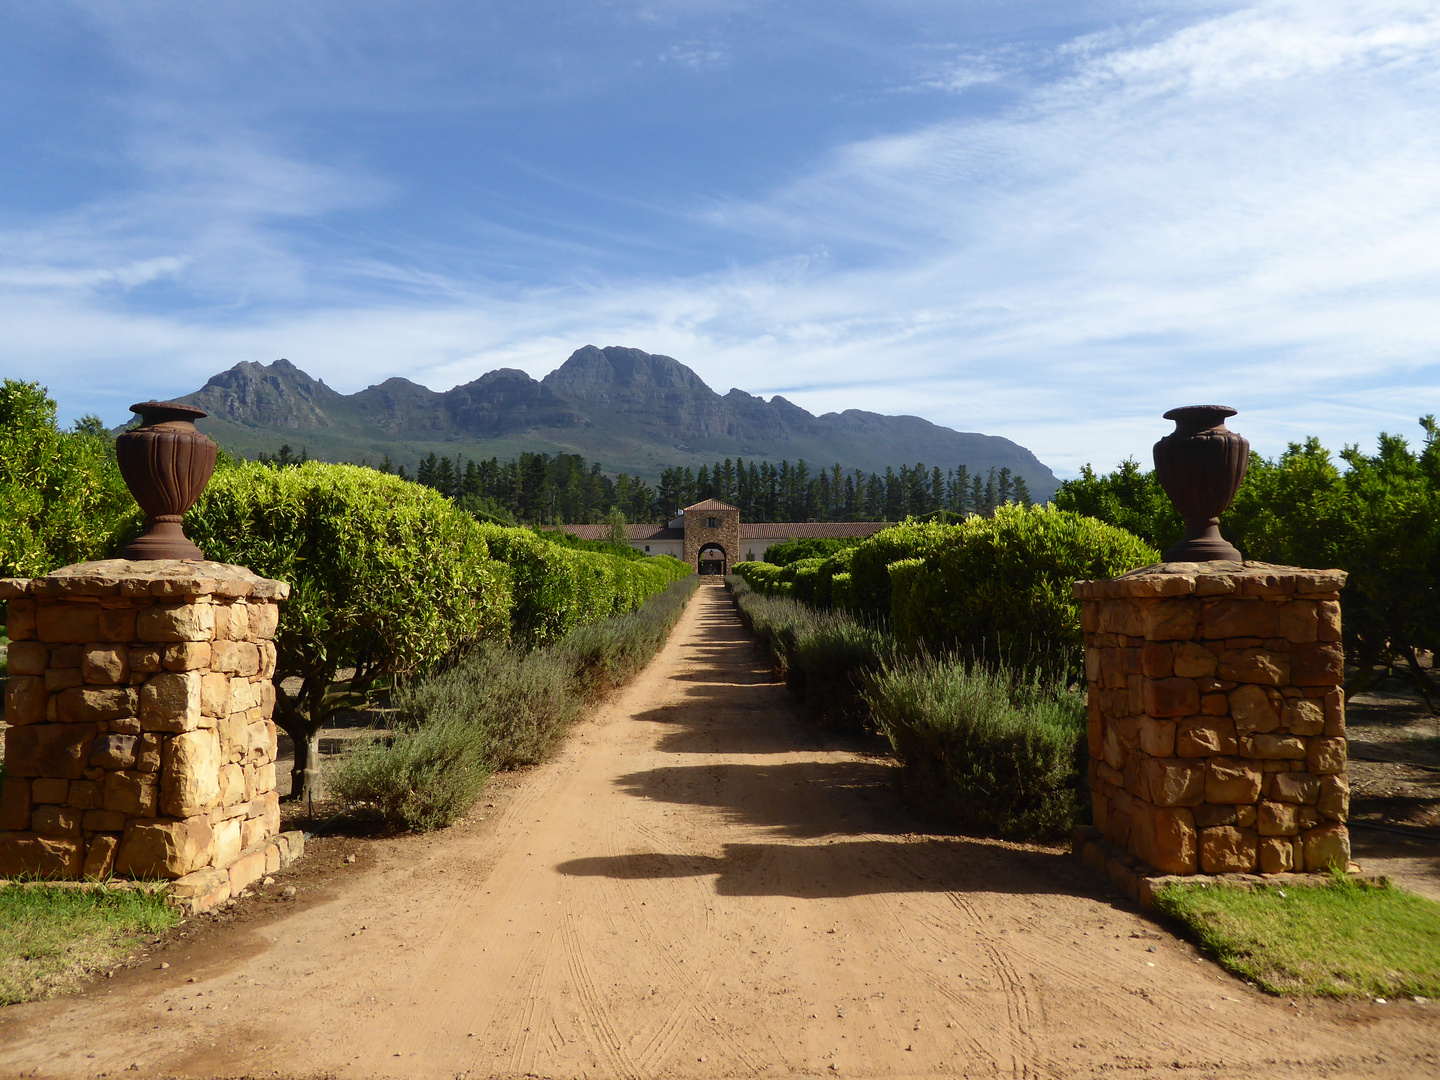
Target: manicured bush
(869,566)
(499,707)
(385,576)
(983,746)
(1000,588)
(814,547)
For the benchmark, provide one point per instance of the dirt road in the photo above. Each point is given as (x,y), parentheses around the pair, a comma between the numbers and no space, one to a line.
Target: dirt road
(701,886)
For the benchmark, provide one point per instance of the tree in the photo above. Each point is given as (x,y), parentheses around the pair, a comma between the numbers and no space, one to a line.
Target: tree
(386,577)
(619,528)
(62,495)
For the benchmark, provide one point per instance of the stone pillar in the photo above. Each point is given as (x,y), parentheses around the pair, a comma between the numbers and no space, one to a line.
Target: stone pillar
(139,739)
(1216,719)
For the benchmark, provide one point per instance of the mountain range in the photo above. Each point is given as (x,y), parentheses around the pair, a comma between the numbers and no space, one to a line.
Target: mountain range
(630,410)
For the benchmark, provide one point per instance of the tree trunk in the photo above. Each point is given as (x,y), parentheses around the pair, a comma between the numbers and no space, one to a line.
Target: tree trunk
(305,774)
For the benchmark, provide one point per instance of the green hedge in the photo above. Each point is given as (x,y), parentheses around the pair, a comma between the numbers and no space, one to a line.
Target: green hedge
(1000,588)
(869,566)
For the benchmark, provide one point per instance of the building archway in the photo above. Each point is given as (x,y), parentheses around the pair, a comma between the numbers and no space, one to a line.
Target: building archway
(711,559)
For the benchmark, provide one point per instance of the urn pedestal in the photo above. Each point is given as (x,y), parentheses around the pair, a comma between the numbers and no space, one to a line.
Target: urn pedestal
(166,464)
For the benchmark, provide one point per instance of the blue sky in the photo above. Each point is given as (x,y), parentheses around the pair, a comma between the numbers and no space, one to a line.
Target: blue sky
(1049,221)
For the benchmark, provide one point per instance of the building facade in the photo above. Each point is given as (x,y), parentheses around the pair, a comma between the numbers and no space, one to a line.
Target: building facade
(711,537)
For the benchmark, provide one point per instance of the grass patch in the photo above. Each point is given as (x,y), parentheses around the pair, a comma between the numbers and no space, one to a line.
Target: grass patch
(1336,940)
(52,939)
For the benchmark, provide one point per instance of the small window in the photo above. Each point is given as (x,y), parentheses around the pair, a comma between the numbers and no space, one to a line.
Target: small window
(647,547)
(712,523)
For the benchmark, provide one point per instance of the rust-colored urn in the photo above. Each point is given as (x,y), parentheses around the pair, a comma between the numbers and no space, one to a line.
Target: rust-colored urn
(1201,465)
(166,464)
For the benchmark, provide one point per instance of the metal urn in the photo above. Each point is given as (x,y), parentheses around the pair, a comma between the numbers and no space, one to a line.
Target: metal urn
(1201,465)
(166,464)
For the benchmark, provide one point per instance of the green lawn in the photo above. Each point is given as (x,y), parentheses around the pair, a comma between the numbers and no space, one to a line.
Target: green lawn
(1339,939)
(52,939)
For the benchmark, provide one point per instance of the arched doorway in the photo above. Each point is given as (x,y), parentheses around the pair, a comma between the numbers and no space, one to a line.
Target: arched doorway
(711,560)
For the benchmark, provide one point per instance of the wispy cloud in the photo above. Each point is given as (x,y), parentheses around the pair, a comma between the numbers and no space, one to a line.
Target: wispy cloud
(1243,209)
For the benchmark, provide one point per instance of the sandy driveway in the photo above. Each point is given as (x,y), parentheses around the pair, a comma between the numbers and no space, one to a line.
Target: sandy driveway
(702,886)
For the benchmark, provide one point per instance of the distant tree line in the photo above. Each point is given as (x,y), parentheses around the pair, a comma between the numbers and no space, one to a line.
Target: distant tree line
(549,488)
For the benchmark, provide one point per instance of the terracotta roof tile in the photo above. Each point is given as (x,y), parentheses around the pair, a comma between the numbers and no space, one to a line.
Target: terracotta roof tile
(712,504)
(809,530)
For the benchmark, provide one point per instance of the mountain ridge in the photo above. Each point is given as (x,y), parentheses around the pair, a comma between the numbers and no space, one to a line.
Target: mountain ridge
(632,411)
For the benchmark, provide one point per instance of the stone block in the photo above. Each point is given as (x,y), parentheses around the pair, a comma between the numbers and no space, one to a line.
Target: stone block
(1232,780)
(268,805)
(1169,620)
(1209,815)
(1238,618)
(117,624)
(187,656)
(54,858)
(232,785)
(1334,801)
(1175,781)
(244,695)
(1157,737)
(1226,849)
(268,656)
(84,795)
(26,700)
(105,665)
(264,618)
(1246,815)
(1276,855)
(190,774)
(146,659)
(215,694)
(1327,614)
(1254,665)
(55,821)
(1325,755)
(252,832)
(1214,704)
(259,779)
(113,752)
(237,621)
(1252,710)
(246,870)
(1172,840)
(27,658)
(171,702)
(1320,664)
(130,793)
(148,752)
(14,804)
(235,658)
(1193,661)
(164,849)
(54,750)
(103,821)
(1304,716)
(57,679)
(1326,846)
(272,858)
(1277,819)
(1157,660)
(202,889)
(88,704)
(20,619)
(292,846)
(1296,621)
(227,841)
(100,858)
(49,789)
(1171,697)
(1205,736)
(1273,747)
(67,623)
(176,622)
(1295,787)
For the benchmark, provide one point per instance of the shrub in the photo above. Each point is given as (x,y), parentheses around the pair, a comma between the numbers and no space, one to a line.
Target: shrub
(814,547)
(984,746)
(1000,587)
(385,576)
(64,500)
(869,573)
(498,708)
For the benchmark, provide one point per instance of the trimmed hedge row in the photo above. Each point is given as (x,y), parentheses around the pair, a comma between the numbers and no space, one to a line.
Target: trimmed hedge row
(994,587)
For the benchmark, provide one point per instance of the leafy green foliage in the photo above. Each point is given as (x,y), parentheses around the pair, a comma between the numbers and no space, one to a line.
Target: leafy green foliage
(1000,588)
(64,500)
(812,547)
(869,566)
(499,707)
(983,745)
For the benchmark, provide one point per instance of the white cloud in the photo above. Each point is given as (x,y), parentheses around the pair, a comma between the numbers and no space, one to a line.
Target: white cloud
(1245,209)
